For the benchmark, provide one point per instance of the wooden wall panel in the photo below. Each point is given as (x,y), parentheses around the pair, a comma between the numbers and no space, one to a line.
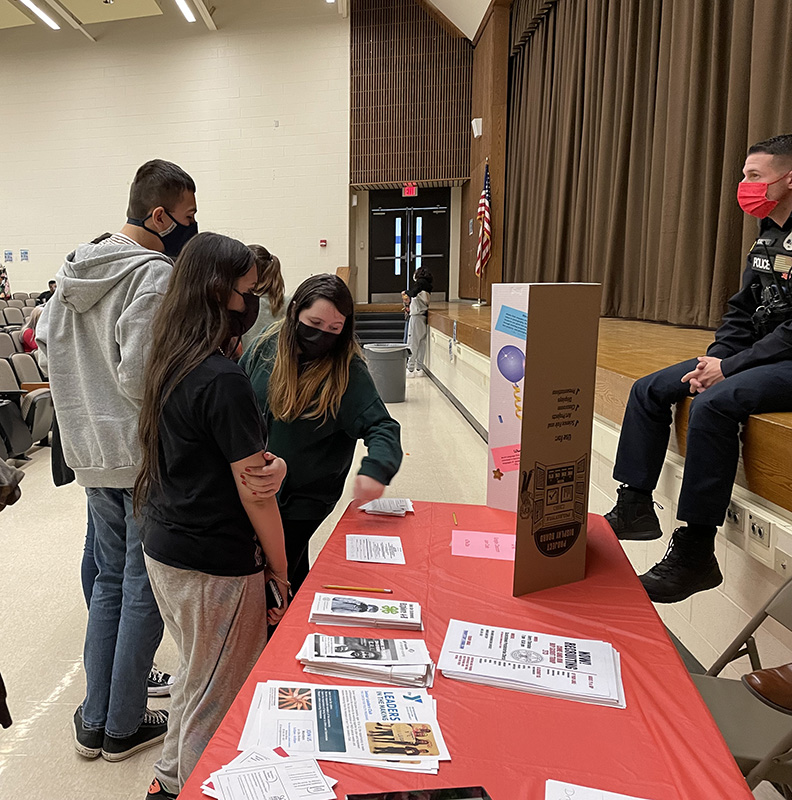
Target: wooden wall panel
(490,102)
(410,97)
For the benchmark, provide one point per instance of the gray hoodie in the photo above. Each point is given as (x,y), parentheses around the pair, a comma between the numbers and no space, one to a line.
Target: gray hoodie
(94,337)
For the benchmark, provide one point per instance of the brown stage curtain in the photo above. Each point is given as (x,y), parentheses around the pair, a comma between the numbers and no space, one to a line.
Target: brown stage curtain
(629,122)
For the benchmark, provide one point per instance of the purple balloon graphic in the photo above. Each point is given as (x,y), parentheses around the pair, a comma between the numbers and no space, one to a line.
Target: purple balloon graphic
(511,363)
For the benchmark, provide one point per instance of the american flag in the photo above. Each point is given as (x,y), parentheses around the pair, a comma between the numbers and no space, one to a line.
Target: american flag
(485,232)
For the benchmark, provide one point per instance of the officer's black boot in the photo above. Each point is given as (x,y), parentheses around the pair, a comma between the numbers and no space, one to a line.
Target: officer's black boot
(689,566)
(633,516)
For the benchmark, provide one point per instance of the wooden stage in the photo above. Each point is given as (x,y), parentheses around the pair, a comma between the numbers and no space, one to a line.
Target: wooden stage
(629,349)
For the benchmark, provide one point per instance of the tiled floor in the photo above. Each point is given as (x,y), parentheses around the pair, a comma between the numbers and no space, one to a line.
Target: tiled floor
(42,613)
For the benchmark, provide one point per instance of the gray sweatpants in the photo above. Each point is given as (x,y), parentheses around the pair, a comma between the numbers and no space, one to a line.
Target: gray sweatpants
(220,627)
(417,330)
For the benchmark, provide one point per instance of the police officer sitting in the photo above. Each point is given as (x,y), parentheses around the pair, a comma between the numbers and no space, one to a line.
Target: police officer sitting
(747,370)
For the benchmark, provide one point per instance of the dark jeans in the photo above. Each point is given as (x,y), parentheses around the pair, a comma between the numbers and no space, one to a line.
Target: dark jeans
(713,443)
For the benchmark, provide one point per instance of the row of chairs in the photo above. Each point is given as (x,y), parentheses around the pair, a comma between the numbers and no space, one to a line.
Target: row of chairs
(10,343)
(14,318)
(25,295)
(25,417)
(18,303)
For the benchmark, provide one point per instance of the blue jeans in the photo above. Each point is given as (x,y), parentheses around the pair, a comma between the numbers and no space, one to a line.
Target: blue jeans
(88,568)
(124,623)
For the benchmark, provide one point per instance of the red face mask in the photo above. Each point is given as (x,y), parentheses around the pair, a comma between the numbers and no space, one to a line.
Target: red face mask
(753,199)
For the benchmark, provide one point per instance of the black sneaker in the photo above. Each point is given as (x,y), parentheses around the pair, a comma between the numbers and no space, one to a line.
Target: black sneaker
(159,683)
(683,571)
(158,792)
(151,731)
(87,741)
(633,517)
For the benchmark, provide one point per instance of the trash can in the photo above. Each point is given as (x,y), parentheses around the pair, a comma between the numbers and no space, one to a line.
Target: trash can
(387,364)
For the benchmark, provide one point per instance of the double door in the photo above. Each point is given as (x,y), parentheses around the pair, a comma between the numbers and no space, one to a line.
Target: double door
(406,234)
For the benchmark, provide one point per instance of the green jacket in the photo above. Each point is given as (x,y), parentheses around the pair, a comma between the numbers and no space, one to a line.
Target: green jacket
(318,455)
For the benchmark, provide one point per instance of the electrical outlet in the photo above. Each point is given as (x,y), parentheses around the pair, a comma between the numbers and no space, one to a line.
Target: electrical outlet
(759,530)
(734,525)
(782,563)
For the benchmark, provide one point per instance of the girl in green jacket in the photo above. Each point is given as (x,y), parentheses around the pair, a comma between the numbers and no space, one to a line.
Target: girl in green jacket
(318,399)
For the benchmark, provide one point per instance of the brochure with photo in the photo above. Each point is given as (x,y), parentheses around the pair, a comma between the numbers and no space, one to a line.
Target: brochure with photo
(366,612)
(355,724)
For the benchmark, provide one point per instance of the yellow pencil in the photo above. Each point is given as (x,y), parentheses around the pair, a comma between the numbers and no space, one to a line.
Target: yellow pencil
(357,589)
(455,519)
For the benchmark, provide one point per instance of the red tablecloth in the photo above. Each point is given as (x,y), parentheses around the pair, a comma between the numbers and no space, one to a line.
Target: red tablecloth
(663,746)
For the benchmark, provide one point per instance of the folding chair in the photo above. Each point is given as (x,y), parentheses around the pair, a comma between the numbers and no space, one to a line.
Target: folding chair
(759,737)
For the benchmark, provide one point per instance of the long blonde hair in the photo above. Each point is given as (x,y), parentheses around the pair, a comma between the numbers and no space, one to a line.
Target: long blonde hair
(270,283)
(315,392)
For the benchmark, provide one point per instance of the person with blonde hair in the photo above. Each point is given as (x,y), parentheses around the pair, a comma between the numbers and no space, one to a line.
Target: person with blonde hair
(271,293)
(29,331)
(318,399)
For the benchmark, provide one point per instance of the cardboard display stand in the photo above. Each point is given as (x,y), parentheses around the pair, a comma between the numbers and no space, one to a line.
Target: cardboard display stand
(555,452)
(507,378)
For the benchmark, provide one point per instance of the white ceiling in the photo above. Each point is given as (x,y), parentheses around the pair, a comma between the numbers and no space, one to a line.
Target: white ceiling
(11,16)
(465,14)
(88,11)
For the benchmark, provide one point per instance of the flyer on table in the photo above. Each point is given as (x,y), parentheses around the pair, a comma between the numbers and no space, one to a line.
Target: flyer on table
(324,721)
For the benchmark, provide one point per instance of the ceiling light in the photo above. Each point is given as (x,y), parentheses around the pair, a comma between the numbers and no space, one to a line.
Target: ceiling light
(185,9)
(330,1)
(41,15)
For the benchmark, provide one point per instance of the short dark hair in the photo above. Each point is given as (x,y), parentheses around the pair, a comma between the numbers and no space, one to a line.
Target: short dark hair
(157,183)
(776,146)
(52,283)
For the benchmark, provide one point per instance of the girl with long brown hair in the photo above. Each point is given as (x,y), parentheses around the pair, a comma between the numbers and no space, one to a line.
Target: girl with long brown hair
(318,399)
(210,541)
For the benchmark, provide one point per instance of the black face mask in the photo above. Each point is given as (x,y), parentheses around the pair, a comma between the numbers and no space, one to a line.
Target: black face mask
(174,239)
(240,322)
(313,342)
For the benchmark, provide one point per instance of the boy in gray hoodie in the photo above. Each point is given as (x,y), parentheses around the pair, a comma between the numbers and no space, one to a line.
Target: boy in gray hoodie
(93,338)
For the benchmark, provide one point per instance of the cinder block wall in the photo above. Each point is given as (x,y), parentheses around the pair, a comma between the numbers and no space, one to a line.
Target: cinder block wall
(257,113)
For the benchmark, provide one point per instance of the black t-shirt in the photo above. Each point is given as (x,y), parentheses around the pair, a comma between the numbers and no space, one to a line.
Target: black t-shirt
(195,519)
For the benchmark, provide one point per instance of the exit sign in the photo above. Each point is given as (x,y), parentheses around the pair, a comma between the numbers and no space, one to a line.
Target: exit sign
(410,190)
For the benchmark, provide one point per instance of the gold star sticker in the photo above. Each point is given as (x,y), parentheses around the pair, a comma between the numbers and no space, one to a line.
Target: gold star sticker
(497,474)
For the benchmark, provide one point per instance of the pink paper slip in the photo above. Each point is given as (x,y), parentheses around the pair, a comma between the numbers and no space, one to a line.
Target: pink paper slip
(507,459)
(482,544)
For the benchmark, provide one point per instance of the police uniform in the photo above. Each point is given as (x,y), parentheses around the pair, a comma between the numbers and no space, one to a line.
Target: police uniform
(754,342)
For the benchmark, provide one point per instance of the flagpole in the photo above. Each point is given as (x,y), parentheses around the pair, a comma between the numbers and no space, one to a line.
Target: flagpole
(481,303)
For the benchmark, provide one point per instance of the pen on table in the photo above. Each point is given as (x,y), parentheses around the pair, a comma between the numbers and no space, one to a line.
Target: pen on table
(455,519)
(357,589)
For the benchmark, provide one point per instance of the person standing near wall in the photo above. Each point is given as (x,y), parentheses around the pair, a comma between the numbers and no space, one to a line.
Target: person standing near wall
(747,370)
(272,304)
(416,300)
(94,339)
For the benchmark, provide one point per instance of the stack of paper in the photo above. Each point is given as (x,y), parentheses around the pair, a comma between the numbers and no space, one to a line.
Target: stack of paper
(546,664)
(555,790)
(377,727)
(403,662)
(262,774)
(388,507)
(365,612)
